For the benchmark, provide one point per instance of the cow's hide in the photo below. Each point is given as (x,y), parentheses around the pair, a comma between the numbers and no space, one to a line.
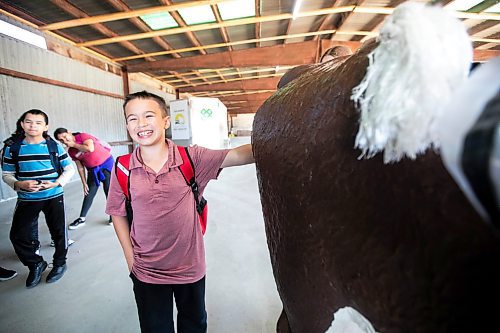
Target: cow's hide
(398,242)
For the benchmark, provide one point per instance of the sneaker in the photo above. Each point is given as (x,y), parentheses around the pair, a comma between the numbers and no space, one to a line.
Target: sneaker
(56,273)
(7,274)
(110,221)
(35,274)
(76,224)
(70,242)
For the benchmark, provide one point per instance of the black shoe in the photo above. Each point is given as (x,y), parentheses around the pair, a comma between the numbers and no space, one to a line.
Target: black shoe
(7,274)
(35,274)
(76,224)
(56,273)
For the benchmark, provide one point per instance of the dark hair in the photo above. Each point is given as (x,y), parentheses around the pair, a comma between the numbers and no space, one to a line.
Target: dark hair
(35,112)
(19,129)
(58,131)
(147,95)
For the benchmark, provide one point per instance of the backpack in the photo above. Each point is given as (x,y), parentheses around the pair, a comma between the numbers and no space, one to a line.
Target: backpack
(14,142)
(122,171)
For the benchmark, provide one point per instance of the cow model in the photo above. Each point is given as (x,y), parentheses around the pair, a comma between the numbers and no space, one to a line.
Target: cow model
(396,239)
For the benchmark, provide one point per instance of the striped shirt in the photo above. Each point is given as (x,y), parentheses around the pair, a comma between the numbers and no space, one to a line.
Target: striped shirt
(34,164)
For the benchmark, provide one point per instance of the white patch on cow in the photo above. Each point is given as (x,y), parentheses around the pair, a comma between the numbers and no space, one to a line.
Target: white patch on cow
(459,116)
(348,320)
(423,56)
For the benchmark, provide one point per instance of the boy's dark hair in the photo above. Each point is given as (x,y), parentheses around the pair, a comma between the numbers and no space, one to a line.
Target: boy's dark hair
(147,95)
(58,131)
(35,112)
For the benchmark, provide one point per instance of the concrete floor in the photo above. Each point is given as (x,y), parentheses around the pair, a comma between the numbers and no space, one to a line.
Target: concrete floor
(95,295)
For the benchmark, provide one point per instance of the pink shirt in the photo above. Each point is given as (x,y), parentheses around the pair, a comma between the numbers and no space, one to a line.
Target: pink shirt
(89,159)
(166,233)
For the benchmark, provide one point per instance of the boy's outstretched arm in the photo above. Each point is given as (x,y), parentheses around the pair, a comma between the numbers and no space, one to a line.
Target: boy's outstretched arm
(239,156)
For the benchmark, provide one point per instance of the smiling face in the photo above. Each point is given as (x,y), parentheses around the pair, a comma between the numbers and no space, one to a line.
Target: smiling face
(34,125)
(66,138)
(146,121)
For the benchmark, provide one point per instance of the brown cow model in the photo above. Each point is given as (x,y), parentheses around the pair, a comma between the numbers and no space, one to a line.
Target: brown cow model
(398,242)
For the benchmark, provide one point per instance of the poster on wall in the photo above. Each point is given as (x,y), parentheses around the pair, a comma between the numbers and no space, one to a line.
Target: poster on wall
(179,119)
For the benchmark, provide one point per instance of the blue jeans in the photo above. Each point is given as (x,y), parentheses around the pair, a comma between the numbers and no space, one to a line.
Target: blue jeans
(155,306)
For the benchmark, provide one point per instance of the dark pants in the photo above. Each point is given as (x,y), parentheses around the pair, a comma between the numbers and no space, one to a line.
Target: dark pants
(24,230)
(89,198)
(155,306)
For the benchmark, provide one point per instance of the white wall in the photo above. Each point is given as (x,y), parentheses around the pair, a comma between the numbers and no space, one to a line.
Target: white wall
(243,122)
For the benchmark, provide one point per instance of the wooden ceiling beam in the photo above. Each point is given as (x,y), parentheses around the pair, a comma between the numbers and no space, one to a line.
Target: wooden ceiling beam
(270,18)
(325,20)
(180,21)
(253,71)
(257,24)
(241,110)
(248,97)
(257,84)
(223,31)
(212,83)
(229,23)
(75,11)
(120,5)
(126,15)
(250,104)
(485,55)
(289,54)
(376,21)
(241,42)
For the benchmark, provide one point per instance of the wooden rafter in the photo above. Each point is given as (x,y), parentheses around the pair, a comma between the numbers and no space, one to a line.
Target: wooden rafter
(231,93)
(257,24)
(479,8)
(248,97)
(253,71)
(376,21)
(208,26)
(269,18)
(326,18)
(222,30)
(180,21)
(289,54)
(269,83)
(241,109)
(120,5)
(211,83)
(75,11)
(248,41)
(126,15)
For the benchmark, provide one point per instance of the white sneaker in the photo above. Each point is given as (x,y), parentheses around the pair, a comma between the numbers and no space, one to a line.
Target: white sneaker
(70,242)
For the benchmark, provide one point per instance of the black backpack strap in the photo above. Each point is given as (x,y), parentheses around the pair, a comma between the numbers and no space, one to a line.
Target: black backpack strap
(54,155)
(15,147)
(188,172)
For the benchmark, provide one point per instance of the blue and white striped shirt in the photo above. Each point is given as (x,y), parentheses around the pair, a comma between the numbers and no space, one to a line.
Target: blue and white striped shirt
(34,164)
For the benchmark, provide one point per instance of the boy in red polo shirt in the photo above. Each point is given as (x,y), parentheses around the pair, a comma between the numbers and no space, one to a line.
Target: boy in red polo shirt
(164,248)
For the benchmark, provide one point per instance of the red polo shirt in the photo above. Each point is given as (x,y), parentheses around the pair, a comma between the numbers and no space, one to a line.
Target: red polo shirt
(166,233)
